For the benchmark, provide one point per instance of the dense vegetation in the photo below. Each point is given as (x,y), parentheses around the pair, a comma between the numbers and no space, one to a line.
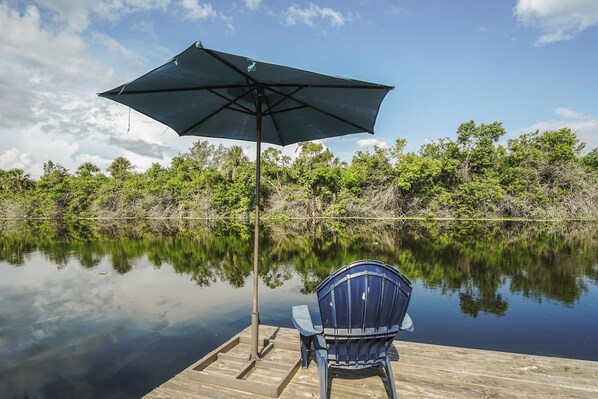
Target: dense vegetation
(536,175)
(474,260)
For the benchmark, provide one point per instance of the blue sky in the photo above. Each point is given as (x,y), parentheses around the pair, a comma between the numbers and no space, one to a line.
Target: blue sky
(530,64)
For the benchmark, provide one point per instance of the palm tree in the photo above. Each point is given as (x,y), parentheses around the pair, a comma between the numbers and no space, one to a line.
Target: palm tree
(231,160)
(120,167)
(15,179)
(87,169)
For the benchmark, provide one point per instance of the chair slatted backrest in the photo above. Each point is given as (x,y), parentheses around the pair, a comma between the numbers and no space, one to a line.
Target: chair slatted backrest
(362,306)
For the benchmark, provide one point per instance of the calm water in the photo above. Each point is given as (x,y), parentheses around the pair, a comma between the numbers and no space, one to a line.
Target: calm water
(112,311)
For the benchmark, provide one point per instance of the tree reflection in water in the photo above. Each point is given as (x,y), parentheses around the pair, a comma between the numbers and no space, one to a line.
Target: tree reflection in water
(475,260)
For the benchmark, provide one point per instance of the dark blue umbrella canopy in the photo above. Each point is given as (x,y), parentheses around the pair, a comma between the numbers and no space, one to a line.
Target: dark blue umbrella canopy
(203,92)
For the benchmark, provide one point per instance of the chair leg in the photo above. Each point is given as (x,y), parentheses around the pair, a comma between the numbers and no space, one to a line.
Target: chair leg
(305,350)
(323,372)
(391,380)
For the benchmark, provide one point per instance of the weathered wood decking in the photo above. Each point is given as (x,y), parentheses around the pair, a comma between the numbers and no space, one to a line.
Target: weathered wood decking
(423,371)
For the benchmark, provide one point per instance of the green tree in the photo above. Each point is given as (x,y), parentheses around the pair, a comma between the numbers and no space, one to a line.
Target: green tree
(318,171)
(368,170)
(478,148)
(14,180)
(231,160)
(53,190)
(120,168)
(591,159)
(87,169)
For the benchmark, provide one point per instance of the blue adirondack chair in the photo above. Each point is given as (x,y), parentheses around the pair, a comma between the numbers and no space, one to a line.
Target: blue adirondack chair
(363,306)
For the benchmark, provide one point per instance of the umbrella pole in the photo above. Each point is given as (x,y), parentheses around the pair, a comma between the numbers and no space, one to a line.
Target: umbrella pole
(255,320)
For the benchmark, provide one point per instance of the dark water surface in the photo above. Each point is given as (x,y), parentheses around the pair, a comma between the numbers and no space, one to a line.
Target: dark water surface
(113,310)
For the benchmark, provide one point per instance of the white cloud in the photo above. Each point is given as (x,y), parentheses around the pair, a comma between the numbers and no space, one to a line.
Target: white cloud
(117,48)
(15,99)
(366,143)
(253,4)
(74,131)
(193,10)
(585,126)
(14,158)
(77,15)
(116,9)
(26,44)
(41,149)
(48,109)
(311,15)
(557,20)
(568,113)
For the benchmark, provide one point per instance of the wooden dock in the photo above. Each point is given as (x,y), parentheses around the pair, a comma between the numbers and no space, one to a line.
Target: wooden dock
(420,371)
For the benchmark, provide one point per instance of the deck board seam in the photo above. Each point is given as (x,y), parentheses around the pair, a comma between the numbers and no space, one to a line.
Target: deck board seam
(491,376)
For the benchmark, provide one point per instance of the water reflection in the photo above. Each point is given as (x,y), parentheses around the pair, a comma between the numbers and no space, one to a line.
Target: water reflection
(114,309)
(473,260)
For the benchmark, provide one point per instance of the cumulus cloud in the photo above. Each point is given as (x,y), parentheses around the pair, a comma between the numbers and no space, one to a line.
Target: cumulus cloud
(48,78)
(311,15)
(193,10)
(568,113)
(31,157)
(27,44)
(557,20)
(14,158)
(15,99)
(586,126)
(366,143)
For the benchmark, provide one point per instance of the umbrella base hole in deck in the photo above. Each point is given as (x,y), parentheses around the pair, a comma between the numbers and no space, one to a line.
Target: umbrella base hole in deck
(230,366)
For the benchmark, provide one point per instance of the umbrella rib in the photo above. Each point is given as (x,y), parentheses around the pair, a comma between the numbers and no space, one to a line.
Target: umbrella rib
(239,110)
(327,113)
(274,120)
(213,113)
(282,99)
(179,89)
(231,66)
(234,101)
(196,88)
(328,86)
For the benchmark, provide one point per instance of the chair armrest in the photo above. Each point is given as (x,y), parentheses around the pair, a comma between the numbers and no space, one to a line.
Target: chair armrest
(302,321)
(407,324)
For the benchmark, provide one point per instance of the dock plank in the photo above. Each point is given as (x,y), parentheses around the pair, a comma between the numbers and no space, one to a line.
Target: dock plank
(501,364)
(420,371)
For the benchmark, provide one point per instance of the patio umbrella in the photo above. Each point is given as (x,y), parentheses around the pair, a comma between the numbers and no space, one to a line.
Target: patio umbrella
(203,92)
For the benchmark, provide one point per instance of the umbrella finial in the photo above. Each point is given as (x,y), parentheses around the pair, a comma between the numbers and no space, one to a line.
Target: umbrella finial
(199,44)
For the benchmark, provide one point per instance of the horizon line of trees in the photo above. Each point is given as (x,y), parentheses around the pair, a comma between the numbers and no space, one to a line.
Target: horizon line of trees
(536,175)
